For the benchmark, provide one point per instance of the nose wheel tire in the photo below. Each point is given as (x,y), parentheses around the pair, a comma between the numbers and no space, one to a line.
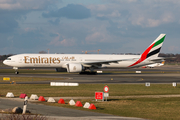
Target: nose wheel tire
(16,72)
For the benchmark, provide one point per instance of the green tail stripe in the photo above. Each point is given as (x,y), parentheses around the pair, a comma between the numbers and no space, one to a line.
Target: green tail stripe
(159,42)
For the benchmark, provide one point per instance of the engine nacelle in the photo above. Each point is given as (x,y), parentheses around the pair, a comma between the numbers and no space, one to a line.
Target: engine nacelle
(73,67)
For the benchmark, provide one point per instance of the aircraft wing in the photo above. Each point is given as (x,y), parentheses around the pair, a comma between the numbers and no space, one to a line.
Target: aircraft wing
(100,62)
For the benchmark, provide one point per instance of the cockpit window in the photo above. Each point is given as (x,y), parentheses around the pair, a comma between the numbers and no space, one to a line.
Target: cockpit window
(8,58)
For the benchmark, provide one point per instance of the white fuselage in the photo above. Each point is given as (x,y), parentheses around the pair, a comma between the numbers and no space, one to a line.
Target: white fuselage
(61,60)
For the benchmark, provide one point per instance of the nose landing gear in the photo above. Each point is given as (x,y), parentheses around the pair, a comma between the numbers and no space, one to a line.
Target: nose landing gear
(16,70)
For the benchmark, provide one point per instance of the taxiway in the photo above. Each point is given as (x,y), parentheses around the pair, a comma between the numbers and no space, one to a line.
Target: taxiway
(102,78)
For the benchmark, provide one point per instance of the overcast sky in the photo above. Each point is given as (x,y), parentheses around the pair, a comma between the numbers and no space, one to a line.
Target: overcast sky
(73,26)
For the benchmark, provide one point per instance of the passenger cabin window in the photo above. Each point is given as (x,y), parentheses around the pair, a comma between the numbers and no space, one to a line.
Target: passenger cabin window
(8,59)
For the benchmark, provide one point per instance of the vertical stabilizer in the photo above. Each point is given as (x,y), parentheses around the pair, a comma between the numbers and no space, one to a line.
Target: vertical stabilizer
(153,50)
(155,47)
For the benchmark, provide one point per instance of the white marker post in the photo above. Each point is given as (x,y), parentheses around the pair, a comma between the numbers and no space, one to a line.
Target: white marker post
(25,105)
(174,84)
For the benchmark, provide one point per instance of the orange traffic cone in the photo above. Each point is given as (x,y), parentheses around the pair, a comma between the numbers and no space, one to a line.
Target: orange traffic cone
(61,101)
(78,104)
(41,98)
(92,107)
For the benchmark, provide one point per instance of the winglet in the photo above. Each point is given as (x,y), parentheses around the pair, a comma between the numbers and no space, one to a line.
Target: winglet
(153,50)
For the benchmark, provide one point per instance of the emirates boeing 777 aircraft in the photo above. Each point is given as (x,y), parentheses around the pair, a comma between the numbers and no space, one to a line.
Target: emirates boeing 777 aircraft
(82,62)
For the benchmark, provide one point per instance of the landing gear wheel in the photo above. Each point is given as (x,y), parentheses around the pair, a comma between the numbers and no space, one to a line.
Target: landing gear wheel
(16,72)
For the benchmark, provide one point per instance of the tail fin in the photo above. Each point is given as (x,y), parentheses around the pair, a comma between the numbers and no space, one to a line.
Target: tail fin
(163,62)
(153,50)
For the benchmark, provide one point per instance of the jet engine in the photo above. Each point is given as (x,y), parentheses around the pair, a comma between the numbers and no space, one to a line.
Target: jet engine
(73,67)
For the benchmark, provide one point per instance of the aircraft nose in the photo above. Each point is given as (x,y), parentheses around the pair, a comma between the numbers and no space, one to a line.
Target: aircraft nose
(4,62)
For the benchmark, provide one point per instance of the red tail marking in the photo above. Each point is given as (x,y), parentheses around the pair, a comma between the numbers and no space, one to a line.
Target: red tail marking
(143,56)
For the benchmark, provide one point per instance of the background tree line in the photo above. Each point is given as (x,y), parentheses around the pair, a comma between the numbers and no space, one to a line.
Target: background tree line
(3,57)
(174,58)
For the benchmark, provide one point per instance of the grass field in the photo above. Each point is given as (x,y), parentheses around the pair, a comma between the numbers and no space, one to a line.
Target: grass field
(88,90)
(148,108)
